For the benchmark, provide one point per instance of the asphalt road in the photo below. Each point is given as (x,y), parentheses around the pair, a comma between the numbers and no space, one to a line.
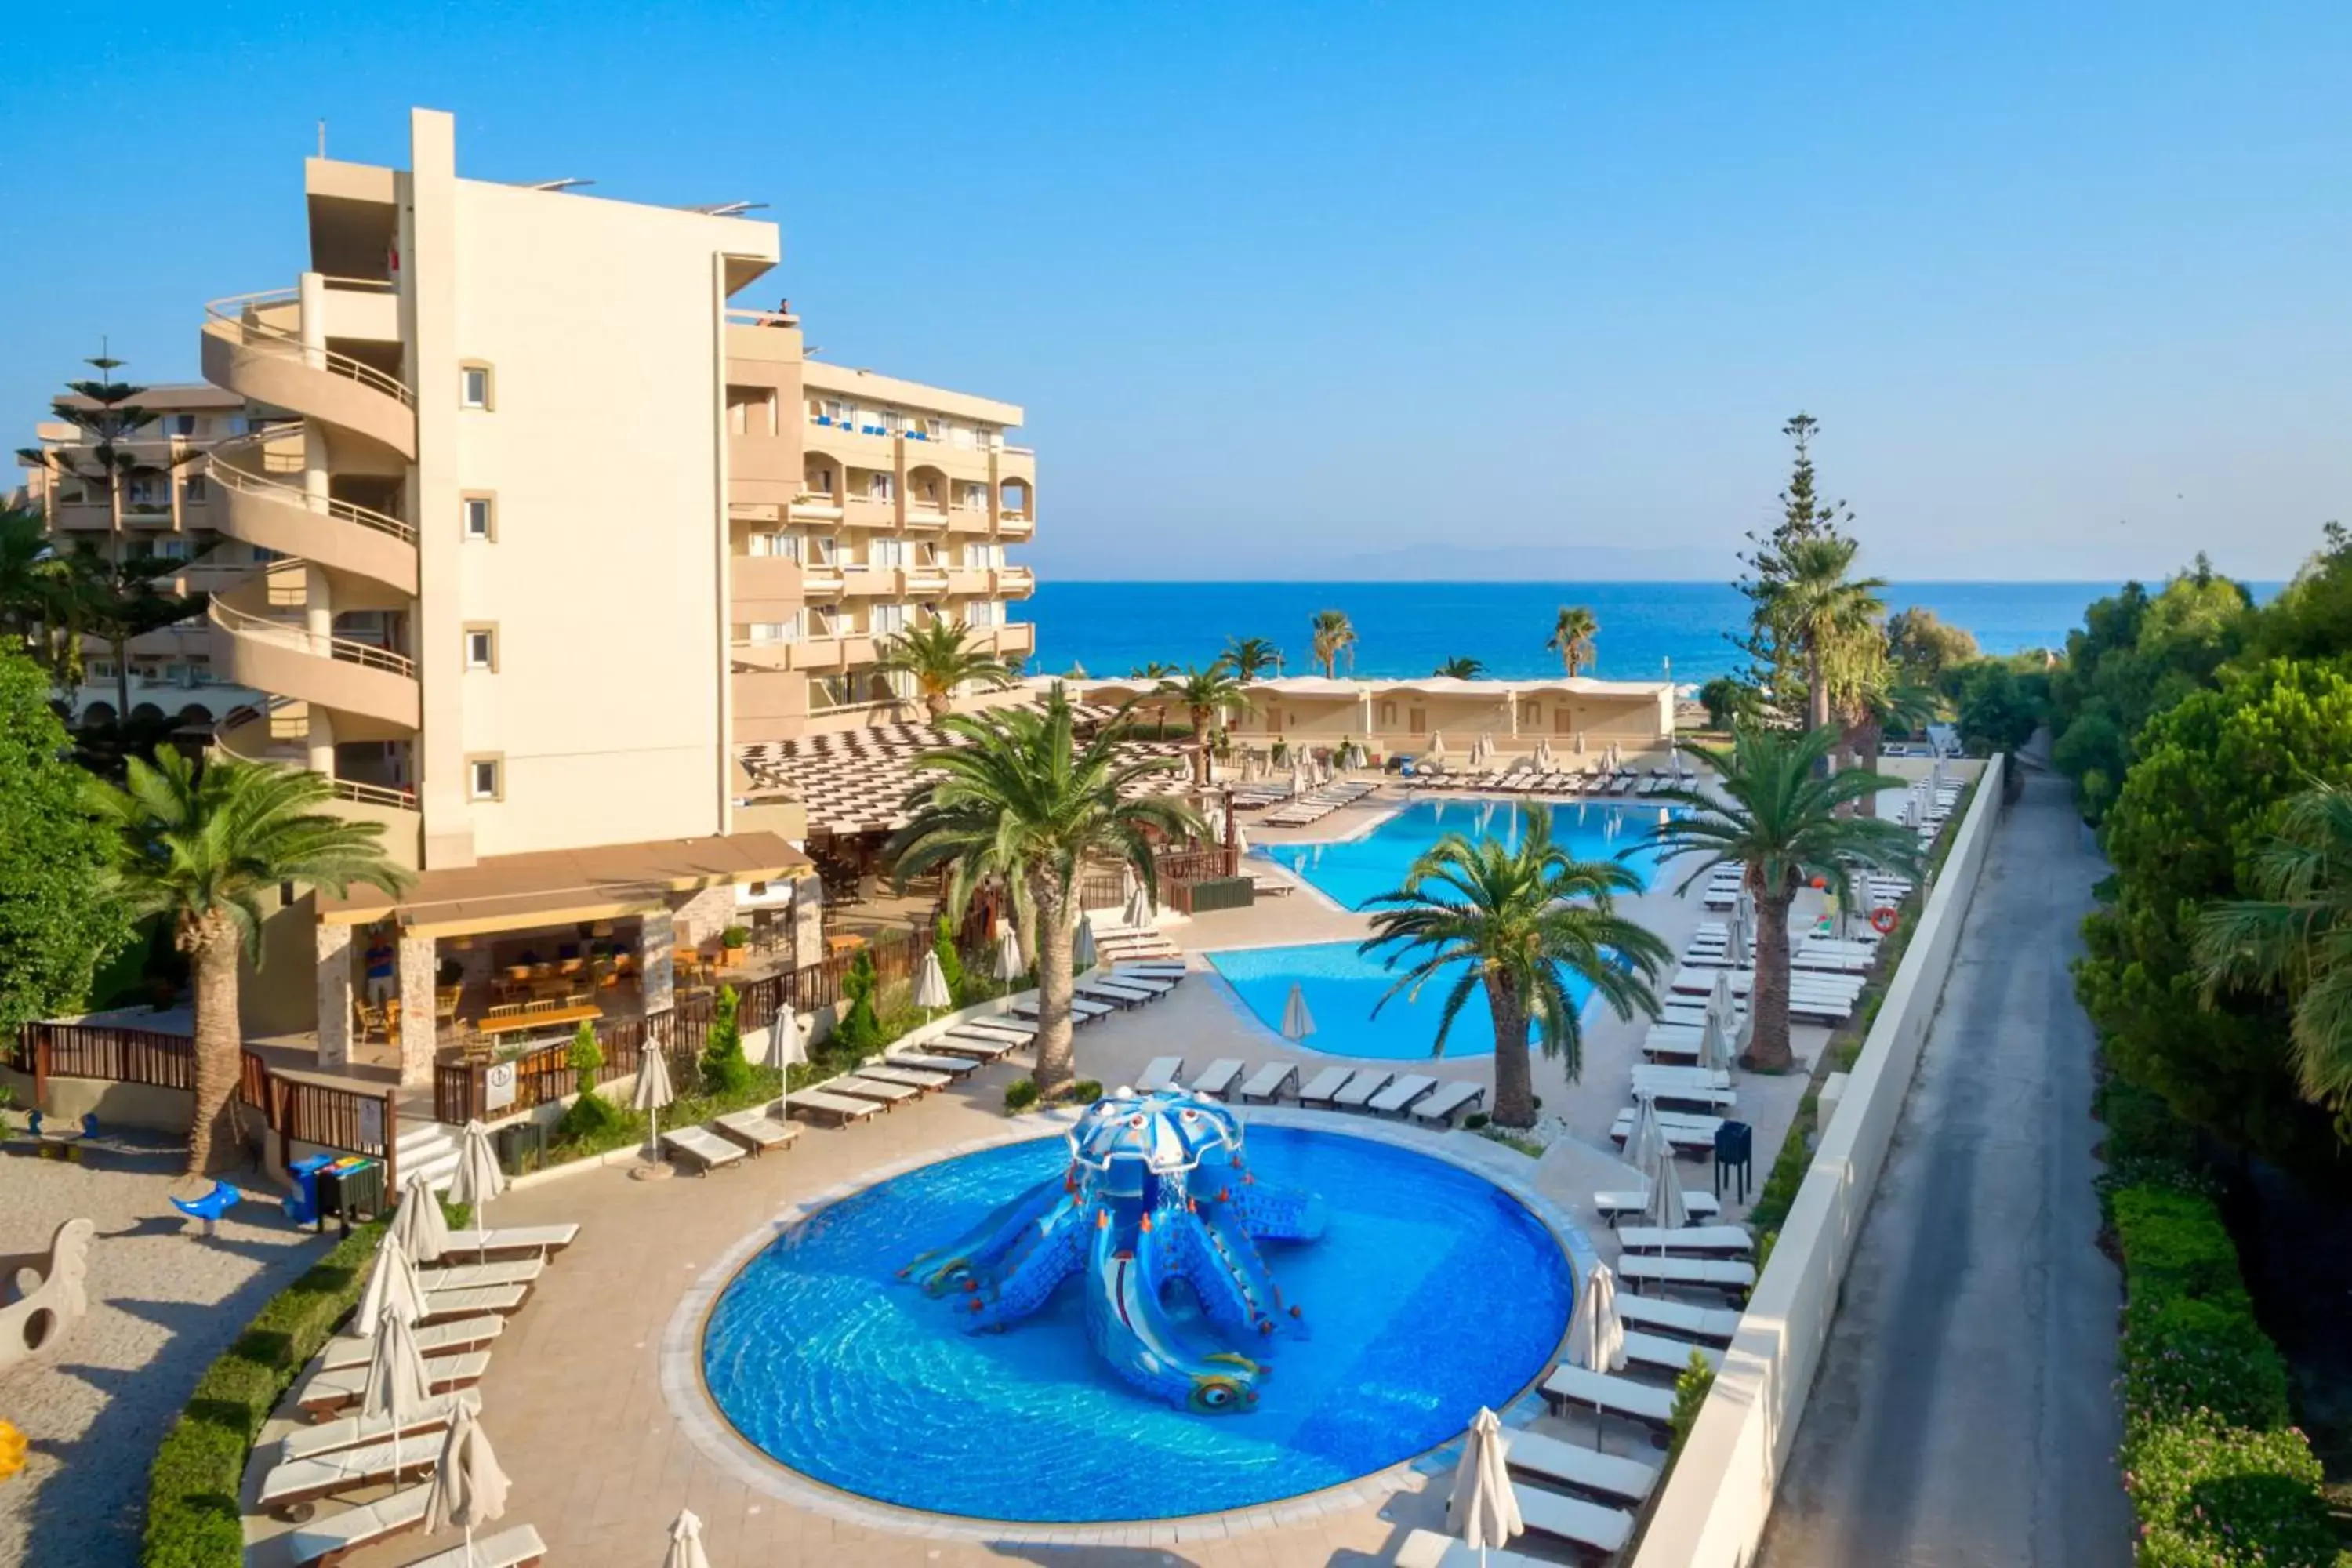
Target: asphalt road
(1965,1416)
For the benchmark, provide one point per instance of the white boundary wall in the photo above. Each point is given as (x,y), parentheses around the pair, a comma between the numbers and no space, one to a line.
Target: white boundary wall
(1713,1511)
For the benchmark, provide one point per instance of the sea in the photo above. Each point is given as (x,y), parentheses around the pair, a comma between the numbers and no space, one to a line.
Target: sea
(1648,630)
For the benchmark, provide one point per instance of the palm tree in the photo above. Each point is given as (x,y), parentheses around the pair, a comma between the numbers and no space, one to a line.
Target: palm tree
(941,656)
(1208,694)
(1018,799)
(1571,638)
(1518,921)
(1776,815)
(1818,607)
(1250,658)
(1461,667)
(1151,669)
(203,849)
(1333,636)
(2296,937)
(1869,697)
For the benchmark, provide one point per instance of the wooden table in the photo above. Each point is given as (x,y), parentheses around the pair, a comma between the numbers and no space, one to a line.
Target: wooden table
(841,943)
(537,1020)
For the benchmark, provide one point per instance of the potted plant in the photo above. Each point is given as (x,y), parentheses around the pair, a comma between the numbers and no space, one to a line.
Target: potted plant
(732,942)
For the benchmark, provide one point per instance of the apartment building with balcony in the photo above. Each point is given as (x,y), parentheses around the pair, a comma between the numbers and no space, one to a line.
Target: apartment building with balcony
(550,530)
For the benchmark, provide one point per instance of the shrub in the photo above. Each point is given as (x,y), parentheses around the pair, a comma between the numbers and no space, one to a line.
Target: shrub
(192,1516)
(858,1031)
(2174,1245)
(2209,1493)
(587,1058)
(950,961)
(1086,1090)
(587,1119)
(735,937)
(723,1068)
(1019,1095)
(2187,1356)
(1691,1387)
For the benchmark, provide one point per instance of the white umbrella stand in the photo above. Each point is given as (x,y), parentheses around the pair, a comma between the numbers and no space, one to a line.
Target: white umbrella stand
(396,1386)
(1297,1023)
(784,1048)
(653,1092)
(931,992)
(422,1230)
(1596,1334)
(393,1283)
(685,1542)
(478,1180)
(1009,965)
(1481,1506)
(1082,946)
(468,1488)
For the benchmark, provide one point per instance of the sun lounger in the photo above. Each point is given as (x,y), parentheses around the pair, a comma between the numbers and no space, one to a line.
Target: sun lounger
(1569,1384)
(1152,969)
(1575,1465)
(1447,1098)
(1585,1524)
(913,1077)
(1686,1092)
(1733,1278)
(327,1540)
(441,1339)
(358,1431)
(756,1129)
(530,1241)
(1428,1549)
(473,1275)
(1269,1081)
(1153,986)
(1161,1074)
(954,1067)
(1081,1010)
(1614,1206)
(1325,1087)
(1401,1094)
(1654,1352)
(1357,1092)
(1110,995)
(327,1391)
(1690,1240)
(517,1548)
(440,1305)
(974,1045)
(705,1148)
(1219,1077)
(838,1109)
(858,1086)
(1007,1024)
(1680,1318)
(291,1483)
(1685,1135)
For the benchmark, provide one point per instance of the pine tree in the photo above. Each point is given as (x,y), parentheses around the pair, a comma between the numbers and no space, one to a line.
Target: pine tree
(1777,665)
(724,1070)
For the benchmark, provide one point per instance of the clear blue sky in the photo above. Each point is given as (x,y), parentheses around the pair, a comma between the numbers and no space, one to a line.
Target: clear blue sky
(1282,286)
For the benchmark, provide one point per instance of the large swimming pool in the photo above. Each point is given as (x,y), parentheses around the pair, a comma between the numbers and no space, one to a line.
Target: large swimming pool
(1341,986)
(1430,1294)
(1359,869)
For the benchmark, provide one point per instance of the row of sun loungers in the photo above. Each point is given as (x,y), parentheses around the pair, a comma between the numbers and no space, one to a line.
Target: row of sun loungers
(1309,809)
(1374,1089)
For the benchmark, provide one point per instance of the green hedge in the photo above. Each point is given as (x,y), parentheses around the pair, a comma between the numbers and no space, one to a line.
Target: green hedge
(2217,1477)
(193,1519)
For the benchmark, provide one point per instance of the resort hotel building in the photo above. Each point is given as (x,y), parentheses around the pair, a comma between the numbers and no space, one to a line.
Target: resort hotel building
(517,531)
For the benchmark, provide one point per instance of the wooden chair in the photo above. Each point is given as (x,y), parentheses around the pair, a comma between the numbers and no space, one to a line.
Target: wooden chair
(444,1003)
(369,1020)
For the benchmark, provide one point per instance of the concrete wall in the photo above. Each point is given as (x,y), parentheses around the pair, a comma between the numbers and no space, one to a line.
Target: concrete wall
(1712,1511)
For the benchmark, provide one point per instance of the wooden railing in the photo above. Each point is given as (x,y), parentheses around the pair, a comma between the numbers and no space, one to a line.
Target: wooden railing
(335,1118)
(1176,869)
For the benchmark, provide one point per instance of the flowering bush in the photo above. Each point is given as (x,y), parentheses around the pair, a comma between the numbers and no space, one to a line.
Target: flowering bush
(2209,1493)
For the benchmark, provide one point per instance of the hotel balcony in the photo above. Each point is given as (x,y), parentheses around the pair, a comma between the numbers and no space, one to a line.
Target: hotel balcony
(929,517)
(863,447)
(970,583)
(807,507)
(371,684)
(863,511)
(1015,524)
(252,347)
(264,510)
(1014,639)
(763,468)
(869,581)
(825,655)
(764,588)
(1012,582)
(768,705)
(270,739)
(965,519)
(923,582)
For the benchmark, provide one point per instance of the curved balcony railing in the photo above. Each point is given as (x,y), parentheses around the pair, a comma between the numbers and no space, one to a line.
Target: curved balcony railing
(262,510)
(234,475)
(301,639)
(241,313)
(248,354)
(232,739)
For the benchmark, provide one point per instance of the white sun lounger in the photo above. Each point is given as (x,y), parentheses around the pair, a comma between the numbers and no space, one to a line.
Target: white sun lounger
(1081,1010)
(530,1241)
(1008,1025)
(1114,996)
(338,1533)
(358,1431)
(440,1339)
(838,1109)
(858,1086)
(1733,1278)
(1218,1078)
(1569,1384)
(331,1390)
(440,1305)
(1447,1098)
(1428,1549)
(756,1129)
(1715,1325)
(1401,1094)
(954,1067)
(1690,1241)
(476,1275)
(292,1482)
(888,1071)
(1160,1074)
(1672,1356)
(1587,1524)
(1573,1465)
(1153,969)
(705,1148)
(978,1047)
(1152,986)
(1614,1206)
(1357,1092)
(1685,1135)
(1325,1085)
(1269,1081)
(517,1548)
(1707,1097)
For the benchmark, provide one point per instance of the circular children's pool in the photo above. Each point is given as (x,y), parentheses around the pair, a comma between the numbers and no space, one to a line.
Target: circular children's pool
(1430,1293)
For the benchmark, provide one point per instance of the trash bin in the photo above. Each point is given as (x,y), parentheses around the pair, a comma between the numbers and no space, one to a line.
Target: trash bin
(1734,1155)
(517,1142)
(351,1188)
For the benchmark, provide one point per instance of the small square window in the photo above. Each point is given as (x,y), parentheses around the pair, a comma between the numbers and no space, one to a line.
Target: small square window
(482,647)
(481,517)
(474,386)
(483,781)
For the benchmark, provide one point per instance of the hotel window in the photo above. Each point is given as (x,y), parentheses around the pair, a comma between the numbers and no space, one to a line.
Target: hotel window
(778,546)
(885,619)
(482,647)
(1563,721)
(485,778)
(481,516)
(877,487)
(887,552)
(984,613)
(820,482)
(172,549)
(197,490)
(181,425)
(1388,715)
(1530,712)
(975,498)
(786,630)
(474,386)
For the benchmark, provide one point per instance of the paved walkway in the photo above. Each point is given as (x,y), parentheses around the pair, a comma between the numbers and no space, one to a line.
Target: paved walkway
(163,1306)
(1964,1416)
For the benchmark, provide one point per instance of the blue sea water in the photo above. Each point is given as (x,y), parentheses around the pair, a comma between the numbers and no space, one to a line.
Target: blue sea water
(1408,628)
(1430,1294)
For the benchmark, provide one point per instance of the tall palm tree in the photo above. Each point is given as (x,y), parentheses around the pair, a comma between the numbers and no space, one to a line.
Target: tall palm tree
(203,849)
(1208,693)
(941,656)
(1250,658)
(1869,697)
(1517,922)
(1818,608)
(2296,937)
(1334,635)
(1151,669)
(1461,667)
(1019,800)
(1571,638)
(1776,815)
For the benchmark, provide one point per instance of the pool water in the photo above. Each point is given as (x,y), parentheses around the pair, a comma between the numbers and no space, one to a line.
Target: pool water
(1342,986)
(1430,1293)
(1352,873)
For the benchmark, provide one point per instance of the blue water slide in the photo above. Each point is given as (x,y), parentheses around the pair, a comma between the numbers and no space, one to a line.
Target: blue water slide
(986,1246)
(1047,1252)
(1226,1270)
(1177,1361)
